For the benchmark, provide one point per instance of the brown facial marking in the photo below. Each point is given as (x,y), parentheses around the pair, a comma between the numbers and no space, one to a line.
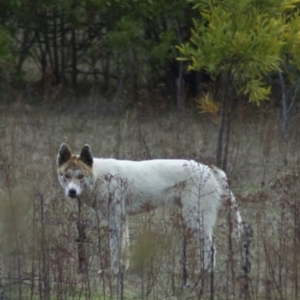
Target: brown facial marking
(75,162)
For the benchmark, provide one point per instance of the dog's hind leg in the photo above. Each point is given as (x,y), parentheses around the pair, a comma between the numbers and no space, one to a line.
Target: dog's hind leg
(201,223)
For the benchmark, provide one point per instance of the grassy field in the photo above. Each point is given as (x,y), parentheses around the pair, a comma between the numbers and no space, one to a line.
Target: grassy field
(40,251)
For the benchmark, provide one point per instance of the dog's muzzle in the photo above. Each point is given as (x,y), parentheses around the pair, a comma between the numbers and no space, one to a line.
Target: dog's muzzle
(72,193)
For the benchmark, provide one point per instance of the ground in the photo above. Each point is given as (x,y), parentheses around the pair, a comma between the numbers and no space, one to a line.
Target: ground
(42,257)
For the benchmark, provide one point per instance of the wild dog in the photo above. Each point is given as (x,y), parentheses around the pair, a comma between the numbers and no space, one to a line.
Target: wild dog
(118,188)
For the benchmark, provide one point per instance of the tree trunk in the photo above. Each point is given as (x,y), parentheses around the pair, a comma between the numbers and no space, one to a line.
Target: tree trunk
(287,108)
(43,59)
(26,45)
(107,72)
(47,40)
(55,48)
(74,57)
(179,85)
(222,151)
(219,150)
(62,45)
(227,137)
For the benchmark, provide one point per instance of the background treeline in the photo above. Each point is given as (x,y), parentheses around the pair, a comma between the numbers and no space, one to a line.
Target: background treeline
(129,46)
(118,44)
(219,53)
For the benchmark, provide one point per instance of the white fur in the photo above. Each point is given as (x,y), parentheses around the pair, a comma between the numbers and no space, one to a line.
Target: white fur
(73,185)
(122,187)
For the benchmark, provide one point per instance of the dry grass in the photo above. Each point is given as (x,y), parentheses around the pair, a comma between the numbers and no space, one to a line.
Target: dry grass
(39,236)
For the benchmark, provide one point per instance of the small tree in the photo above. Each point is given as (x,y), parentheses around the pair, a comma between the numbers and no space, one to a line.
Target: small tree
(290,67)
(240,42)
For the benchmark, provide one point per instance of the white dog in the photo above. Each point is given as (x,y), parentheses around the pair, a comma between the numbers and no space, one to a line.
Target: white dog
(116,188)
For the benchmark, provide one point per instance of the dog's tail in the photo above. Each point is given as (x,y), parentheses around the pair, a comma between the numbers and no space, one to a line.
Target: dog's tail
(228,196)
(236,219)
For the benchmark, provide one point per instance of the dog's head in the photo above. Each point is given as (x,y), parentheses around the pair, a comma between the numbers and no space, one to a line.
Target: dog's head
(75,172)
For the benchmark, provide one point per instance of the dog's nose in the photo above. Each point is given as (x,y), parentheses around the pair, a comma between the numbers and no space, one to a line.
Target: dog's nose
(72,193)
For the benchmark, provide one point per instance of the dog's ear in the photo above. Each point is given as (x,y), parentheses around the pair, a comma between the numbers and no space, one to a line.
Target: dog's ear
(64,154)
(86,155)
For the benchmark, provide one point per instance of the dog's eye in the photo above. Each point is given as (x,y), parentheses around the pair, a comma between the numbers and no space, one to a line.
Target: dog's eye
(80,176)
(67,176)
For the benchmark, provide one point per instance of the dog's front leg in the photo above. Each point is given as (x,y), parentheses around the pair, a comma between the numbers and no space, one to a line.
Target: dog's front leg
(117,234)
(119,246)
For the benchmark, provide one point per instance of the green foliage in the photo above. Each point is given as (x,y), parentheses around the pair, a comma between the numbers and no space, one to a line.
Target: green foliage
(143,34)
(126,33)
(138,36)
(163,49)
(8,6)
(5,44)
(291,38)
(247,39)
